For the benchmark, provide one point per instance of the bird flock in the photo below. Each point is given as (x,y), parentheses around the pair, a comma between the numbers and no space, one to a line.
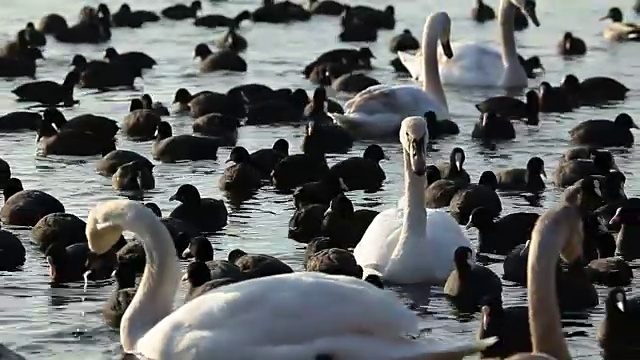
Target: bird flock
(251,306)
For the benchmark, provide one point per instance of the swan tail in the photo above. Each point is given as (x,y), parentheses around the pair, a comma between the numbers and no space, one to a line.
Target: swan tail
(412,63)
(455,351)
(353,122)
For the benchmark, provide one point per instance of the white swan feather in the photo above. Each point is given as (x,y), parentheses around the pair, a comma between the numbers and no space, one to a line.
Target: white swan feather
(379,110)
(410,244)
(479,64)
(475,64)
(284,317)
(424,262)
(292,317)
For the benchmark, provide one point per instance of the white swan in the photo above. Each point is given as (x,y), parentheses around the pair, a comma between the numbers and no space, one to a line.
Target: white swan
(283,317)
(478,64)
(379,110)
(411,244)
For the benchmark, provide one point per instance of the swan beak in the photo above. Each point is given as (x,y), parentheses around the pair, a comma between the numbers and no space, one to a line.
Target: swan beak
(530,9)
(173,197)
(604,18)
(620,305)
(446,49)
(543,173)
(633,125)
(417,161)
(329,211)
(186,253)
(185,277)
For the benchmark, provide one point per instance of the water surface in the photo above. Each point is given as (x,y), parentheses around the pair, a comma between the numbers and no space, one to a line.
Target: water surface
(45,323)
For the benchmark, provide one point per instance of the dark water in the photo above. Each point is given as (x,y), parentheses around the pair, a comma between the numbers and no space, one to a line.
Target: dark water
(45,323)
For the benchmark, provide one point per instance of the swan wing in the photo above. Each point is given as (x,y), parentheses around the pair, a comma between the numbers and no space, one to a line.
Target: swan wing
(378,243)
(473,64)
(413,63)
(430,258)
(379,110)
(365,93)
(444,236)
(291,317)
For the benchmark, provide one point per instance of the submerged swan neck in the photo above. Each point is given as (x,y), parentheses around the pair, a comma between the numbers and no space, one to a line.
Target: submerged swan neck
(415,221)
(544,314)
(431,80)
(507,29)
(154,298)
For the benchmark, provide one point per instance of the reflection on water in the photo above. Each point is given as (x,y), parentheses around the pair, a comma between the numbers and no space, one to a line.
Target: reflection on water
(42,322)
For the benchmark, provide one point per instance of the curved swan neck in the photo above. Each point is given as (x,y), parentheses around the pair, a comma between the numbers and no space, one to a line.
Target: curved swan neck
(153,300)
(431,80)
(415,221)
(544,313)
(507,32)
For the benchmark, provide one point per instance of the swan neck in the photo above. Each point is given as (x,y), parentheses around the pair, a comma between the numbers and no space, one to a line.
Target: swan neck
(153,300)
(431,80)
(415,220)
(544,314)
(507,32)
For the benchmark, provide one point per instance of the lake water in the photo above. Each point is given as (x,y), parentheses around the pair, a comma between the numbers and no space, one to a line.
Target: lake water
(45,323)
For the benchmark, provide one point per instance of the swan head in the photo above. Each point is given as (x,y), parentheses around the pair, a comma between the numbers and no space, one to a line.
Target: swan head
(108,219)
(442,22)
(414,137)
(529,8)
